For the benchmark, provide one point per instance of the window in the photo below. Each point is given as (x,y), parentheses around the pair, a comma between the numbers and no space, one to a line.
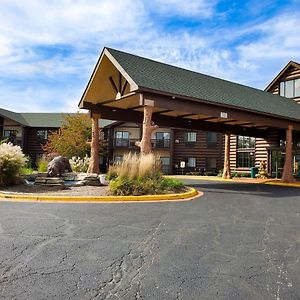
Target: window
(211,139)
(9,133)
(162,135)
(122,134)
(245,142)
(162,140)
(165,164)
(211,163)
(245,160)
(290,88)
(42,134)
(122,139)
(118,158)
(191,162)
(190,137)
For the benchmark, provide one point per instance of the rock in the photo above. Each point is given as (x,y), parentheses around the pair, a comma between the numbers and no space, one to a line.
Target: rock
(103,181)
(91,179)
(49,181)
(69,176)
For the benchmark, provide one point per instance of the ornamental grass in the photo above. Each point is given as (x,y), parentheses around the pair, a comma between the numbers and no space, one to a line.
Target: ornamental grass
(140,174)
(12,159)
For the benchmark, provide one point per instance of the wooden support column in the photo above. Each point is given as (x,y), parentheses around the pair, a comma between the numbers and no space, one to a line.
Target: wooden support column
(148,128)
(94,163)
(227,171)
(287,175)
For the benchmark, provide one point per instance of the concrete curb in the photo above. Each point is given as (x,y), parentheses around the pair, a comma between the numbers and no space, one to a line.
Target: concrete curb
(283,184)
(247,181)
(149,198)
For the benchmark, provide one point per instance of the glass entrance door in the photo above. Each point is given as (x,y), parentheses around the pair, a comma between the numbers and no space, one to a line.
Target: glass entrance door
(276,162)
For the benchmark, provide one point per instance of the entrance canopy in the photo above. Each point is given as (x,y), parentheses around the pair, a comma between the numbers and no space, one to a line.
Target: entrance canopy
(122,84)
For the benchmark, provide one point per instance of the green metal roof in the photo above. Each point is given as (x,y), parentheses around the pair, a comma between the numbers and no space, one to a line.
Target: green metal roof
(17,117)
(173,80)
(42,120)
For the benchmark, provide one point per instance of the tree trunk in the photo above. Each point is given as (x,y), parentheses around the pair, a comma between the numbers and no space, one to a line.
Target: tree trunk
(148,128)
(287,175)
(227,171)
(94,163)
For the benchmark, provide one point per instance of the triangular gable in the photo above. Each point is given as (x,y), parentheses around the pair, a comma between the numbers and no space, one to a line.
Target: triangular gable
(291,64)
(107,80)
(16,117)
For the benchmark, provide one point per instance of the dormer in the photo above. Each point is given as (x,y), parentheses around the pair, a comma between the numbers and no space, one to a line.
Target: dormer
(287,82)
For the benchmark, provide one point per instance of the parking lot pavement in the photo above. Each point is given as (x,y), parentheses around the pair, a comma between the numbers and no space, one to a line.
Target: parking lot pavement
(238,241)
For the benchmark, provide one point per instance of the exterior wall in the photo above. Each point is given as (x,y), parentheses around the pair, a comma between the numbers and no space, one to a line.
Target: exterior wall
(177,149)
(262,146)
(260,151)
(200,150)
(289,74)
(8,124)
(32,145)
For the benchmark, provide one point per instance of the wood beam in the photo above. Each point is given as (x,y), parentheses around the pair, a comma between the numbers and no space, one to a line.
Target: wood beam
(121,98)
(113,84)
(163,111)
(127,115)
(124,88)
(228,121)
(186,115)
(209,118)
(214,110)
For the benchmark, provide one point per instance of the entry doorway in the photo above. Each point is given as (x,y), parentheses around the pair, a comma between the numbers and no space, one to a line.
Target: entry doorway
(276,162)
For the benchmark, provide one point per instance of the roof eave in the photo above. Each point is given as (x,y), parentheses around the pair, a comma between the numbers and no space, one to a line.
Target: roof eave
(145,89)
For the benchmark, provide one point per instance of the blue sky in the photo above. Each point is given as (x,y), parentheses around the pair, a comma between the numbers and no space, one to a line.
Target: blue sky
(48,48)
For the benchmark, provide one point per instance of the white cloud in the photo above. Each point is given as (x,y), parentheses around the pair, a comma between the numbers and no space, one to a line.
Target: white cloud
(191,8)
(54,80)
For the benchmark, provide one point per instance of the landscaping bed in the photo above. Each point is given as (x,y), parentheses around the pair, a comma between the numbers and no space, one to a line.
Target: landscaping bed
(57,191)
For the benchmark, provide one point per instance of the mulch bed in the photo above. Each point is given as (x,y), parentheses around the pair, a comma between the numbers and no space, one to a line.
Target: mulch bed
(57,191)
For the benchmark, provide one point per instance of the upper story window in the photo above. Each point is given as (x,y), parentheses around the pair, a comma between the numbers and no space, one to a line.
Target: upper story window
(122,139)
(122,135)
(162,140)
(245,142)
(211,139)
(162,135)
(290,88)
(190,137)
(42,134)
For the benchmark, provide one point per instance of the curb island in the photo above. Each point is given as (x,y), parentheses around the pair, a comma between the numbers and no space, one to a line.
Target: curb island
(190,195)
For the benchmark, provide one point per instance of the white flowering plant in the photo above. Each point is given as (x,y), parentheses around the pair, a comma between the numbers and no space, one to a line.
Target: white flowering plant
(12,159)
(79,164)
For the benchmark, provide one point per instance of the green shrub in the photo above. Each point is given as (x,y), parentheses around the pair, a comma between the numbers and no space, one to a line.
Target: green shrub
(124,186)
(12,159)
(42,165)
(26,170)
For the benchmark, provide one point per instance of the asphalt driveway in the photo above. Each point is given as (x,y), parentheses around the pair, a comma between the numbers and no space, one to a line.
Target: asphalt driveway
(236,242)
